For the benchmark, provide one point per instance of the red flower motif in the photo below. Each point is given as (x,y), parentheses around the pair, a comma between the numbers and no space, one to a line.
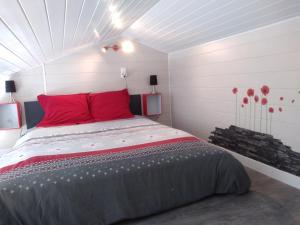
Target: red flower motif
(250,92)
(245,100)
(271,110)
(280,109)
(235,90)
(265,90)
(256,98)
(264,101)
(281,98)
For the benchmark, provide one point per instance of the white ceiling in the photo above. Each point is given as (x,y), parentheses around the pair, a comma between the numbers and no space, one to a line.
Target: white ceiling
(36,31)
(177,24)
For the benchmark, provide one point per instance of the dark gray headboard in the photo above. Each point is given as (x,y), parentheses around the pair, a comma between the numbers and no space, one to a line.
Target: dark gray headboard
(34,112)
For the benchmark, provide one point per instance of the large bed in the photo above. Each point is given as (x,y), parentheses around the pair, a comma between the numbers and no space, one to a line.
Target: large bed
(87,160)
(105,172)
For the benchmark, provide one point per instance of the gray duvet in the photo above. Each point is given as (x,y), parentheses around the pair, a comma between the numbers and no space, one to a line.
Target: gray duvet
(104,187)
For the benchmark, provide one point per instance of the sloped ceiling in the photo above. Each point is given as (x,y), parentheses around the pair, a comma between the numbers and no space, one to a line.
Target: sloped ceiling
(36,31)
(177,24)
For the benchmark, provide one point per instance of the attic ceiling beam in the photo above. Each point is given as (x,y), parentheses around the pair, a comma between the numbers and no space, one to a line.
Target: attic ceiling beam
(92,17)
(78,21)
(20,41)
(12,52)
(65,22)
(49,26)
(30,25)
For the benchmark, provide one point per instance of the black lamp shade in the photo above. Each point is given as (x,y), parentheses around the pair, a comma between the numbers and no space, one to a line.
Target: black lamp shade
(10,86)
(153,79)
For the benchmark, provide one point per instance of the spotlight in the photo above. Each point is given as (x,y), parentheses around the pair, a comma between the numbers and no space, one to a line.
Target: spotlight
(127,46)
(116,20)
(104,49)
(112,8)
(97,35)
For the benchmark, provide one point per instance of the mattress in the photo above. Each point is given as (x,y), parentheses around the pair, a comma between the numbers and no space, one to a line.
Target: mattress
(102,173)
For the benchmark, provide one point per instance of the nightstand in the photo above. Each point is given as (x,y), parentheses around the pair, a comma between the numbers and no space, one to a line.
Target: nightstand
(10,116)
(152,104)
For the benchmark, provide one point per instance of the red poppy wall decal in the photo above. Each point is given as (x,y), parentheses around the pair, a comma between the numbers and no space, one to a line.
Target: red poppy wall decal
(265,90)
(245,103)
(235,92)
(252,97)
(250,92)
(256,100)
(271,110)
(264,101)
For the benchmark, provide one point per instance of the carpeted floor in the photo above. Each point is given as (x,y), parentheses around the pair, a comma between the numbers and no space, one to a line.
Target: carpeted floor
(269,203)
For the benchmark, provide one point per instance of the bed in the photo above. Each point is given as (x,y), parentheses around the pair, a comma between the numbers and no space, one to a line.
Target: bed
(104,172)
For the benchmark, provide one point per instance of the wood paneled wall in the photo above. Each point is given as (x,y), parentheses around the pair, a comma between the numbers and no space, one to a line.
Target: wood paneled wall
(90,70)
(202,78)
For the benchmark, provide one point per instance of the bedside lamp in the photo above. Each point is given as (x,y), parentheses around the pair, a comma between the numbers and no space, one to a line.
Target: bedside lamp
(10,87)
(153,83)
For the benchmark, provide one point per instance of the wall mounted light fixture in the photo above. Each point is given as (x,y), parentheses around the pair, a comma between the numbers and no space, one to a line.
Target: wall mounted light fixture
(113,47)
(126,46)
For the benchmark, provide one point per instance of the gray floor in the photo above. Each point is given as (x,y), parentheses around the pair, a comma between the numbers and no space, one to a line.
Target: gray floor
(269,203)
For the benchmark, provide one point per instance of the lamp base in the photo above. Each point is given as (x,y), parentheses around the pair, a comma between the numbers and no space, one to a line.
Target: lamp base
(11,98)
(153,89)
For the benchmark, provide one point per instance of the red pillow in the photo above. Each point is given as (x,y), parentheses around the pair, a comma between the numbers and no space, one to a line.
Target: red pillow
(64,110)
(110,105)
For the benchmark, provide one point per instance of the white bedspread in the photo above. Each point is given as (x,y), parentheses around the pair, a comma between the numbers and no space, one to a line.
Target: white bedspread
(88,137)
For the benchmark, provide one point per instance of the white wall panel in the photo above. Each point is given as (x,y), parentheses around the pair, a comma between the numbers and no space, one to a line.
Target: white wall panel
(202,78)
(90,70)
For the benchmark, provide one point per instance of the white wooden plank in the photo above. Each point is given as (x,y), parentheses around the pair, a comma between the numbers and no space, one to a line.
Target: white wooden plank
(56,9)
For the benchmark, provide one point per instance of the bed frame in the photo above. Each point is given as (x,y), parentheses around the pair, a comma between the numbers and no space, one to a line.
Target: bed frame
(34,112)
